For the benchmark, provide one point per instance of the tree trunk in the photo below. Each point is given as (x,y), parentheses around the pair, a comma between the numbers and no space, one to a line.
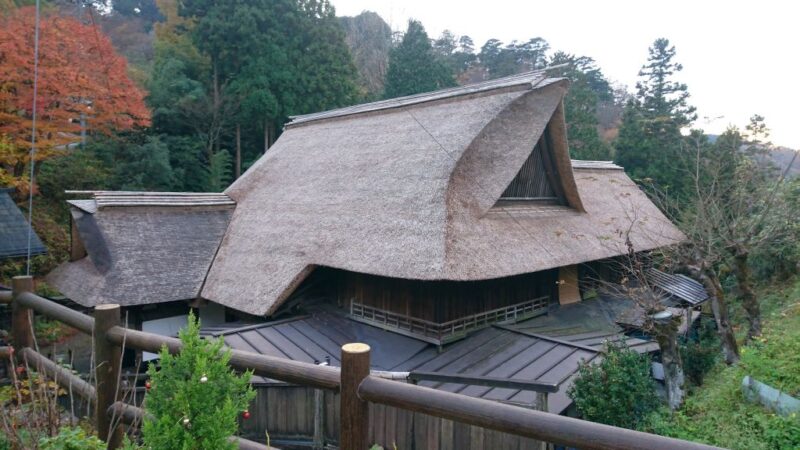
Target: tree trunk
(667,337)
(238,150)
(741,269)
(719,306)
(216,112)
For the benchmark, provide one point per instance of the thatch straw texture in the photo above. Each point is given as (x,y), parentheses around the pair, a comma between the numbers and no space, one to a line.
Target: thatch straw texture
(141,253)
(409,191)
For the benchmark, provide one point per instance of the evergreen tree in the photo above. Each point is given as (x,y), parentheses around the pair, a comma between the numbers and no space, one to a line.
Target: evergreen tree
(414,67)
(516,57)
(580,106)
(457,52)
(227,74)
(194,398)
(499,61)
(650,141)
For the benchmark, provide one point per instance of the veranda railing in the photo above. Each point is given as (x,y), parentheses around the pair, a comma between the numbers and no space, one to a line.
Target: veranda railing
(446,332)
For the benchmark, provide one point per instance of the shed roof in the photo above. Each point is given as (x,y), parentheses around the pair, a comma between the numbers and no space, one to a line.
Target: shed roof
(681,287)
(407,188)
(143,248)
(14,230)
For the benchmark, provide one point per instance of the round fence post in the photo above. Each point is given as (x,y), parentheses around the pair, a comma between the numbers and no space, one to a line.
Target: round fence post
(354,422)
(107,367)
(21,317)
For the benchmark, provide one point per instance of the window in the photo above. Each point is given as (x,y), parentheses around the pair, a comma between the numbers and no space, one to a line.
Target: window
(537,180)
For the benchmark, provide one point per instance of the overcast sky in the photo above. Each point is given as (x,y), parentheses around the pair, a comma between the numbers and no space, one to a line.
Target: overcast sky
(740,58)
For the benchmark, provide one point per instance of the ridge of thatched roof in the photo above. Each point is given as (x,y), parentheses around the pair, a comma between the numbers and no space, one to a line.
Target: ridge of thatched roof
(410,190)
(142,248)
(521,81)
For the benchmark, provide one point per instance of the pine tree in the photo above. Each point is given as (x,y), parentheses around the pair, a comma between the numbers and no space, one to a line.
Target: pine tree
(650,141)
(414,67)
(580,106)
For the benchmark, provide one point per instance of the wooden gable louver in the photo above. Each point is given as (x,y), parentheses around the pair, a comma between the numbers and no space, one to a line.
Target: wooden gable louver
(537,178)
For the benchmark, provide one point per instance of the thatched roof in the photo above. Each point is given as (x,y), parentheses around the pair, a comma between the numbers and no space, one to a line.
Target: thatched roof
(142,248)
(14,230)
(409,188)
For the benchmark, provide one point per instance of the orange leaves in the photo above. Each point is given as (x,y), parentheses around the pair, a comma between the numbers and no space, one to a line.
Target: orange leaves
(80,77)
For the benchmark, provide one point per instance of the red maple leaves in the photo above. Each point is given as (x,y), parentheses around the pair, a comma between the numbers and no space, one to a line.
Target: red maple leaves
(80,77)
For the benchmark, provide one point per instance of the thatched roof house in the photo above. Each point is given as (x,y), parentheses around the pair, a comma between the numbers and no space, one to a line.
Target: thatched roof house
(454,219)
(470,183)
(139,248)
(461,185)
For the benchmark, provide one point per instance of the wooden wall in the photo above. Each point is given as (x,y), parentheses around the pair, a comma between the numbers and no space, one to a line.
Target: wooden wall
(439,301)
(287,413)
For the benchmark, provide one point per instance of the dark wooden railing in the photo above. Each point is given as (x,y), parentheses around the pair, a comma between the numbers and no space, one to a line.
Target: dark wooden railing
(357,386)
(446,332)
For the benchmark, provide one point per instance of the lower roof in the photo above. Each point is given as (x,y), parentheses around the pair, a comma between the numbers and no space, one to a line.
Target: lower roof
(544,349)
(142,249)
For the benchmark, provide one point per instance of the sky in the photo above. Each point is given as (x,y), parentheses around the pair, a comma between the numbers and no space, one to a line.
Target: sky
(740,58)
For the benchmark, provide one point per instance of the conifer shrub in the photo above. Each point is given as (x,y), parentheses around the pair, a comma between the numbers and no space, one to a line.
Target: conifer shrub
(194,398)
(616,391)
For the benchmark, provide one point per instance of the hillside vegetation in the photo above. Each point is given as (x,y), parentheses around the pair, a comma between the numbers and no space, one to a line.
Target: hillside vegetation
(717,413)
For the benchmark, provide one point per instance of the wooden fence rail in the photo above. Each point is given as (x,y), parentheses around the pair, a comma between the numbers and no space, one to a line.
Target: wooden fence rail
(356,385)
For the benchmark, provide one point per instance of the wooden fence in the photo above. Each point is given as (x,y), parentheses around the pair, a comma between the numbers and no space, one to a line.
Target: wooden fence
(357,387)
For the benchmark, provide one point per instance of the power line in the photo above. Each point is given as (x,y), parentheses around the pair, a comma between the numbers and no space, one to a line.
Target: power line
(33,133)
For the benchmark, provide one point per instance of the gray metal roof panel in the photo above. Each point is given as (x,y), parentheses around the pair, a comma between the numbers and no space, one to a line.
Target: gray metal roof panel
(681,286)
(14,231)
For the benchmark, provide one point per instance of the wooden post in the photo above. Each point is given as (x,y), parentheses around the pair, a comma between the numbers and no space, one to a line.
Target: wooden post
(354,421)
(21,317)
(107,368)
(319,419)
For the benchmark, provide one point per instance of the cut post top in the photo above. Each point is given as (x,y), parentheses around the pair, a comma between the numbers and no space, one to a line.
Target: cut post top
(355,347)
(106,307)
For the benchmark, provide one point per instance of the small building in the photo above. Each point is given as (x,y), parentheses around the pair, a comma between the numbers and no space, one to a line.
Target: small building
(448,230)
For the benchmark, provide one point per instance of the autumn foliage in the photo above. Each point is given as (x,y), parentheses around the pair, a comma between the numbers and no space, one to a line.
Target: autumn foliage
(80,75)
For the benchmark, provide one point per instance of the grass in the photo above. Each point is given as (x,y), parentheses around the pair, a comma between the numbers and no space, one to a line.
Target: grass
(716,413)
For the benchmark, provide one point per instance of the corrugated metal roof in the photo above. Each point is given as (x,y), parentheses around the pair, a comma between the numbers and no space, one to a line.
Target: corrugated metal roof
(680,286)
(103,199)
(581,164)
(14,230)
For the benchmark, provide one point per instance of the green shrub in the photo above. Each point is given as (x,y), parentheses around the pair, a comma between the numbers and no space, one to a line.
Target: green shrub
(72,438)
(195,397)
(701,352)
(617,391)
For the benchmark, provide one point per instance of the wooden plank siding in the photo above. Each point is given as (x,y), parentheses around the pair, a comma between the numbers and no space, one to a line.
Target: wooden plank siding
(287,413)
(440,301)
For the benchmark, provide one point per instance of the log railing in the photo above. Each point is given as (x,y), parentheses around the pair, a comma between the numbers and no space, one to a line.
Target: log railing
(354,382)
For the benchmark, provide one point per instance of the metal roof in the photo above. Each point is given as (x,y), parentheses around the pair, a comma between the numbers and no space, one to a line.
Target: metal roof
(520,352)
(14,230)
(684,288)
(102,199)
(581,164)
